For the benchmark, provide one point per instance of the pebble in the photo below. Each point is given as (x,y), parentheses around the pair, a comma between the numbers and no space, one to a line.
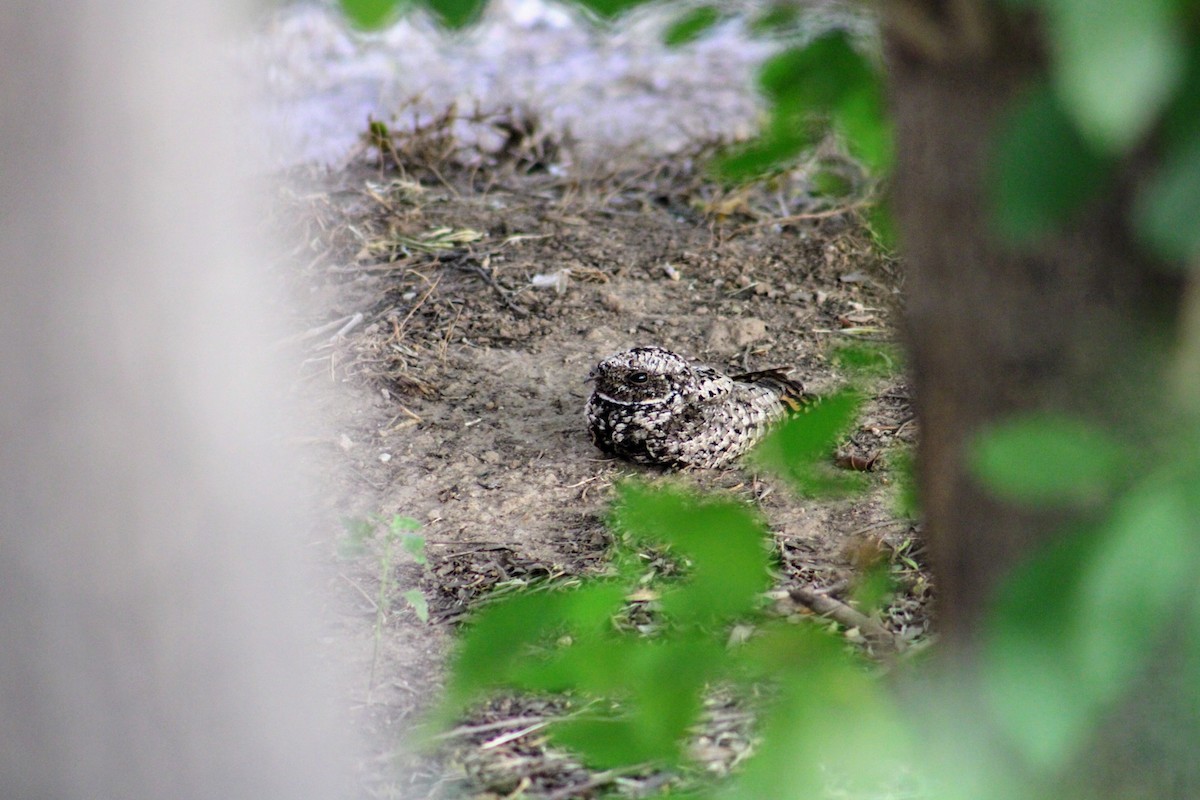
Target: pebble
(725,335)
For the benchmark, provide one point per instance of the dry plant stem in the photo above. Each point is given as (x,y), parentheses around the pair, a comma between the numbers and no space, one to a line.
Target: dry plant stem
(486,274)
(811,215)
(420,302)
(839,612)
(468,730)
(352,323)
(337,325)
(512,736)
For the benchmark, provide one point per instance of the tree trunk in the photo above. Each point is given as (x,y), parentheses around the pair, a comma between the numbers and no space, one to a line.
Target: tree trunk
(993,331)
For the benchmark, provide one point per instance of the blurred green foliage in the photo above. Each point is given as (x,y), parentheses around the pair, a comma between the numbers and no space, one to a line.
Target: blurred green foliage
(861,361)
(1051,460)
(798,450)
(1042,169)
(692,25)
(647,691)
(827,83)
(652,686)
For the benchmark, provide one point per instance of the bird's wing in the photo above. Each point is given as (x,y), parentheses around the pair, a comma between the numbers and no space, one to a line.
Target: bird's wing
(791,393)
(708,384)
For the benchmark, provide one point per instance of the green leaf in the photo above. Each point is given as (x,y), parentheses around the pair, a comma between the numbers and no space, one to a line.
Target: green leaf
(1166,212)
(907,503)
(1042,171)
(830,183)
(829,78)
(868,360)
(787,135)
(660,685)
(801,448)
(775,18)
(420,606)
(1076,625)
(414,545)
(817,76)
(692,25)
(606,743)
(372,13)
(400,524)
(1031,668)
(1115,65)
(495,649)
(882,225)
(862,119)
(724,541)
(456,14)
(1179,119)
(1142,573)
(610,9)
(1049,460)
(829,717)
(354,542)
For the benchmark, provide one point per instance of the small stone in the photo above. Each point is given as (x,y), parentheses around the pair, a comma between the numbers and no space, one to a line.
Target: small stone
(557,281)
(726,335)
(490,457)
(385,457)
(612,302)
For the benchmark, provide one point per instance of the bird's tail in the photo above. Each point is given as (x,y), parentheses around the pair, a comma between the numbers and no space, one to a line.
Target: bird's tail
(791,393)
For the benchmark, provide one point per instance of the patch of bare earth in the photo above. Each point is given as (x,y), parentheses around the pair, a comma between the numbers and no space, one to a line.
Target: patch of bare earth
(455,301)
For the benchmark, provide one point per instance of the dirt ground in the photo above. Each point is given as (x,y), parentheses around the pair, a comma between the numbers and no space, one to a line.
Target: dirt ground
(453,303)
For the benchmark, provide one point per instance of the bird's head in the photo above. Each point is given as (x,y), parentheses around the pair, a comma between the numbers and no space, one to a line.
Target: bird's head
(641,376)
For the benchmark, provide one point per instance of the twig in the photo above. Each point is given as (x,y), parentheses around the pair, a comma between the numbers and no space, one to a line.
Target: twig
(449,332)
(832,212)
(513,735)
(839,612)
(313,333)
(874,526)
(399,329)
(486,274)
(350,325)
(360,590)
(470,730)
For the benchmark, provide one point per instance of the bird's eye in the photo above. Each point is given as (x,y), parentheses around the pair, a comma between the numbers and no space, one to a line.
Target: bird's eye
(639,377)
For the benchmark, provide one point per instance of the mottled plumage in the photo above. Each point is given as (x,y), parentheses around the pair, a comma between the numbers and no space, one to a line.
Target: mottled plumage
(652,407)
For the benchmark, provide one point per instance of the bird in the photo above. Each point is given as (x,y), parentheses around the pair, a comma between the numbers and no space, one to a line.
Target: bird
(653,406)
